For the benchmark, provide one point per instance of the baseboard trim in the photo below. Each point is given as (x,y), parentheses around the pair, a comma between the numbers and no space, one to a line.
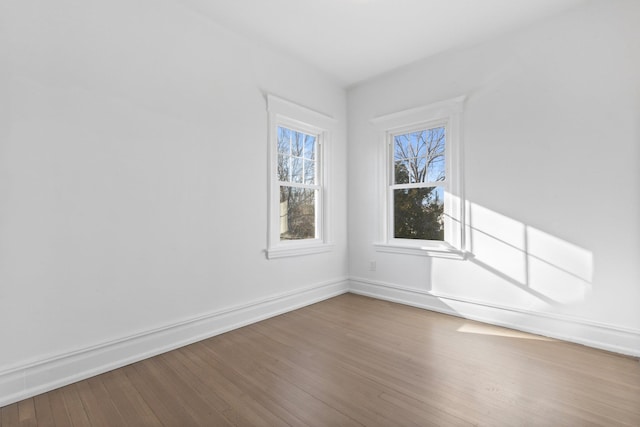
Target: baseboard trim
(598,335)
(24,381)
(21,382)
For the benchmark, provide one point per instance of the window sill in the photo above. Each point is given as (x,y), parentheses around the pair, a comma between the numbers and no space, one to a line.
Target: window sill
(443,250)
(297,250)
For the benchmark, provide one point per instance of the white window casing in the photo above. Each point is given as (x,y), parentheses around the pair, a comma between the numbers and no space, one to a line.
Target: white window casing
(447,114)
(294,117)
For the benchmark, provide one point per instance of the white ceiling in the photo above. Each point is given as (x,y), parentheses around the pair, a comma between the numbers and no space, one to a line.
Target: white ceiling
(354,40)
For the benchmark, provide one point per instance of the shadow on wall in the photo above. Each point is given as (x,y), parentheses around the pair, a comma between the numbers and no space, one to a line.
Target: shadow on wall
(551,269)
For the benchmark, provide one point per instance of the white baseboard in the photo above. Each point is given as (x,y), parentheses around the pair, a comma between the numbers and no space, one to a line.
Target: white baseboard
(25,381)
(581,331)
(21,382)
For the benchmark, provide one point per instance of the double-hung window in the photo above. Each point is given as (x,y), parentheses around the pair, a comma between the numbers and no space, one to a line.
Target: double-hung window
(298,183)
(418,180)
(298,201)
(421,199)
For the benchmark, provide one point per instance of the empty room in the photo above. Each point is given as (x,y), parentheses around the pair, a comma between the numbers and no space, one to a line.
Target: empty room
(335,212)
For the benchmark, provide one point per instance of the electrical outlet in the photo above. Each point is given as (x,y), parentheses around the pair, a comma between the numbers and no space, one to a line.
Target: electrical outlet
(372,266)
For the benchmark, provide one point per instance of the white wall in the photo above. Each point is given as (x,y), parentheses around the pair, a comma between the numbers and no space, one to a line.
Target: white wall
(133,167)
(552,179)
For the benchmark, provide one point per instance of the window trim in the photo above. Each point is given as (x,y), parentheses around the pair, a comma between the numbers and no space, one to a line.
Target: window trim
(296,117)
(449,114)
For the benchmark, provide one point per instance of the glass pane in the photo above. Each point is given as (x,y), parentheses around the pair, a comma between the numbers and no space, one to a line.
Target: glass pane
(297,213)
(297,143)
(309,172)
(310,147)
(283,167)
(418,213)
(284,140)
(410,171)
(419,156)
(435,154)
(404,172)
(405,146)
(296,169)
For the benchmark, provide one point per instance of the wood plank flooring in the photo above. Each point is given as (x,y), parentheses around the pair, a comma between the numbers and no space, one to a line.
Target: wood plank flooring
(353,361)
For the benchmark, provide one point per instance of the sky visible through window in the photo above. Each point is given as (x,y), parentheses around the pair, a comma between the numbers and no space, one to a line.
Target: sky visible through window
(421,155)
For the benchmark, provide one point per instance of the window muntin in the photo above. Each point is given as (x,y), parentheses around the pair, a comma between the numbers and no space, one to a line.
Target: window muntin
(298,184)
(418,183)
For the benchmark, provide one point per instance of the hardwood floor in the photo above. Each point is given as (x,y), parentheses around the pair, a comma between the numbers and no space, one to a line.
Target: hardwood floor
(353,361)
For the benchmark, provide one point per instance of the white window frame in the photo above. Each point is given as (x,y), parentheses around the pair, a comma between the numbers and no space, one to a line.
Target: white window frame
(445,113)
(302,119)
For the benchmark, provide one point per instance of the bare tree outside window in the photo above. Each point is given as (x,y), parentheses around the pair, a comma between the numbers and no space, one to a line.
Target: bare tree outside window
(417,188)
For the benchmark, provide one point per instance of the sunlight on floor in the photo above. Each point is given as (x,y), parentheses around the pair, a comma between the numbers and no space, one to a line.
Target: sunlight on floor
(473,328)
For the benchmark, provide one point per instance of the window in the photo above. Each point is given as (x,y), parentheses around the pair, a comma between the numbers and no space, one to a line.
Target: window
(418,180)
(298,184)
(421,191)
(298,203)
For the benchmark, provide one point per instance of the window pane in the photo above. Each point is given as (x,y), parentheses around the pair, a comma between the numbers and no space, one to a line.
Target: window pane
(284,140)
(418,213)
(435,139)
(408,145)
(296,169)
(297,143)
(419,156)
(409,171)
(310,147)
(297,213)
(283,167)
(309,172)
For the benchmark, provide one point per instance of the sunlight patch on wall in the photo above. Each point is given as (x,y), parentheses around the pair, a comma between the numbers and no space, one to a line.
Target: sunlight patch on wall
(551,269)
(557,268)
(498,242)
